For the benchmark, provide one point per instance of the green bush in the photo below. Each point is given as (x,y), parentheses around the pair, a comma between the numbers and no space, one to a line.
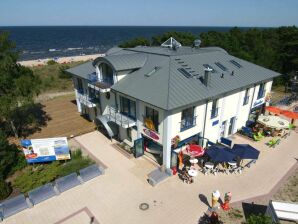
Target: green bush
(37,175)
(5,189)
(64,74)
(51,62)
(259,219)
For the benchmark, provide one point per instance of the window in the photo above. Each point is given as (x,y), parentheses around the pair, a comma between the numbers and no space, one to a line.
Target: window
(128,132)
(188,119)
(246,97)
(107,74)
(184,72)
(128,107)
(261,92)
(236,63)
(80,85)
(214,110)
(151,120)
(221,66)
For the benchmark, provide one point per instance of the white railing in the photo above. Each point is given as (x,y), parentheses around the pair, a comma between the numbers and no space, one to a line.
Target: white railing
(120,119)
(84,99)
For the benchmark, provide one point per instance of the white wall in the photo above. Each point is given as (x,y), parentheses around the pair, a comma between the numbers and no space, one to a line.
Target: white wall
(176,123)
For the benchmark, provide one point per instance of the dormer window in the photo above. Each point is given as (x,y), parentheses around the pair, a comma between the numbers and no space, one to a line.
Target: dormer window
(107,74)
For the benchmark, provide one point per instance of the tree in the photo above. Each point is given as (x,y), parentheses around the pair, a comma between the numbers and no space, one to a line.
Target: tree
(139,41)
(18,85)
(5,189)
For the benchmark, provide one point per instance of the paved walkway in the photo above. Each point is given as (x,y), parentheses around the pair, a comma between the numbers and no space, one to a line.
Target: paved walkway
(116,196)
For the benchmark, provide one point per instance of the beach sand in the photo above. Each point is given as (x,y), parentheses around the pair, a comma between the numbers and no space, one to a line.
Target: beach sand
(61,60)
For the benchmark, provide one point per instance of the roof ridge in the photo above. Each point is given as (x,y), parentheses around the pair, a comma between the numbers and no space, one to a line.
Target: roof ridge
(168,96)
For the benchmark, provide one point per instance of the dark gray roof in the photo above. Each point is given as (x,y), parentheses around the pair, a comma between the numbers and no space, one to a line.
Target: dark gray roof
(169,89)
(83,70)
(157,80)
(125,61)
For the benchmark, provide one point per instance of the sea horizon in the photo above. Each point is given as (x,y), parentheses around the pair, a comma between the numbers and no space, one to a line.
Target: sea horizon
(38,42)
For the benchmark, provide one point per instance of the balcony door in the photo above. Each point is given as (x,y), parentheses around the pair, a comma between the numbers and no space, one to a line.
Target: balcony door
(107,74)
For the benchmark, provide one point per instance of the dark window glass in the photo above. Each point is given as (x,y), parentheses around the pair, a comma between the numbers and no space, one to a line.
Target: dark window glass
(152,115)
(80,85)
(261,92)
(214,110)
(188,119)
(246,97)
(128,107)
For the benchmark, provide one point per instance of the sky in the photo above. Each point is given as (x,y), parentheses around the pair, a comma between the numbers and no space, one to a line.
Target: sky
(257,13)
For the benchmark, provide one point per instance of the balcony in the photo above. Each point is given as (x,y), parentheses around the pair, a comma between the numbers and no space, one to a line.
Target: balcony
(214,113)
(188,123)
(85,99)
(245,101)
(102,85)
(122,120)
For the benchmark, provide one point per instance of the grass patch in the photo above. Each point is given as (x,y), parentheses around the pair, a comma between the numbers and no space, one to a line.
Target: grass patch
(53,76)
(34,176)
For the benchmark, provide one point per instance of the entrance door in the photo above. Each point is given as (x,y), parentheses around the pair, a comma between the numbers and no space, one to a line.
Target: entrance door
(223,128)
(139,147)
(231,125)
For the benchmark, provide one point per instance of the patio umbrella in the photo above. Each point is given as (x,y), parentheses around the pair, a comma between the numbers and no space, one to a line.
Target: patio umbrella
(220,154)
(290,114)
(195,150)
(274,110)
(245,151)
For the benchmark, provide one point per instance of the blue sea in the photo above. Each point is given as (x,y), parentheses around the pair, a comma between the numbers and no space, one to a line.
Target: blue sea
(38,42)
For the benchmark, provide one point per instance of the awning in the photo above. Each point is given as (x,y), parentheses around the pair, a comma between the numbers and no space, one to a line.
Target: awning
(111,130)
(220,154)
(245,151)
(274,110)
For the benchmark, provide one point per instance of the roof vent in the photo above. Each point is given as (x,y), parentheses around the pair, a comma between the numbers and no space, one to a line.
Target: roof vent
(197,43)
(171,43)
(152,72)
(232,73)
(222,75)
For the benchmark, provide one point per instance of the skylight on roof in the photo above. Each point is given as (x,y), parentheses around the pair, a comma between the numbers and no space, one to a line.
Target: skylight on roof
(221,66)
(209,66)
(152,72)
(184,72)
(236,63)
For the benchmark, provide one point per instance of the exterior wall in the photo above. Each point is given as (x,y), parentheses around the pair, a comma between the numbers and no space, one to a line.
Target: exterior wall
(176,123)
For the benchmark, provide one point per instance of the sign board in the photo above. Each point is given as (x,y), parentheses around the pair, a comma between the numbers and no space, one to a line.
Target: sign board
(151,134)
(45,150)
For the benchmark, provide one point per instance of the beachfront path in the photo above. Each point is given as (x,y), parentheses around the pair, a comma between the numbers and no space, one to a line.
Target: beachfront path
(115,197)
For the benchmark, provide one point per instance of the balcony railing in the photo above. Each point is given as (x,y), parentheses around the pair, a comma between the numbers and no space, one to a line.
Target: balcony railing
(187,123)
(214,113)
(245,101)
(85,99)
(101,84)
(120,119)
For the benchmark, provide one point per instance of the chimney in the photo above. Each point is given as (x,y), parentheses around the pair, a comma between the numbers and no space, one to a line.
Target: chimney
(207,76)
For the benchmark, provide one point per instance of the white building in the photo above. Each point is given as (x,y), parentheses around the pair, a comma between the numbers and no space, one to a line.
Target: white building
(156,99)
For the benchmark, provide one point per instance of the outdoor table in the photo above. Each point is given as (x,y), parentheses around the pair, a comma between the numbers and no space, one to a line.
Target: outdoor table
(209,165)
(273,121)
(193,161)
(192,173)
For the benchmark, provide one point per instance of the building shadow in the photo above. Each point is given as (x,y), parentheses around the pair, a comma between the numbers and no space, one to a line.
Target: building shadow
(204,199)
(253,209)
(74,102)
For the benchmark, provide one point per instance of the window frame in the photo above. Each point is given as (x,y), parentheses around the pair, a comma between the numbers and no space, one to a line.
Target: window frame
(154,117)
(131,114)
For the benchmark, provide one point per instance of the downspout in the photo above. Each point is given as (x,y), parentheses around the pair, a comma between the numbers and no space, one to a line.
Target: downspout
(205,119)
